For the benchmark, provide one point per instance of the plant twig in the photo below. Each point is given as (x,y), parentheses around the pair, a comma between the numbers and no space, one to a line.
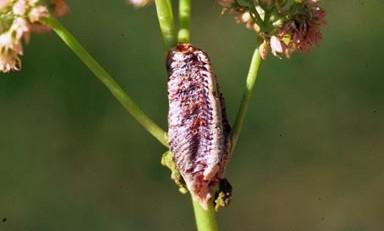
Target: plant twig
(107,80)
(250,86)
(184,21)
(166,22)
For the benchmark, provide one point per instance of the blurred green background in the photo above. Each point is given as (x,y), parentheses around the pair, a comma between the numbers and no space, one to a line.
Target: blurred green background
(310,155)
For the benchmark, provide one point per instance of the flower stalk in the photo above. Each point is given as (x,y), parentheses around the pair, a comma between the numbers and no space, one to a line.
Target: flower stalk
(249,89)
(107,80)
(166,22)
(183,36)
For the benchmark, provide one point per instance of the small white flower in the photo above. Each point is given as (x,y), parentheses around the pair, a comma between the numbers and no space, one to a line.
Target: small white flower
(8,43)
(276,46)
(37,13)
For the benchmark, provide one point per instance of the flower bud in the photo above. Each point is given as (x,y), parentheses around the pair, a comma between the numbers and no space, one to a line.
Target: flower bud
(264,50)
(276,47)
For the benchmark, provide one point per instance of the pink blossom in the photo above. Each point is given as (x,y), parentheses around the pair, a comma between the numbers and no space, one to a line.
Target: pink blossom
(246,19)
(10,50)
(24,15)
(293,25)
(303,31)
(276,46)
(37,13)
(20,28)
(20,7)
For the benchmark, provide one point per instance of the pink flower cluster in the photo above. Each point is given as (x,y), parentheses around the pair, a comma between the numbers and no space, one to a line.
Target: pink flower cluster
(10,46)
(301,32)
(283,27)
(22,17)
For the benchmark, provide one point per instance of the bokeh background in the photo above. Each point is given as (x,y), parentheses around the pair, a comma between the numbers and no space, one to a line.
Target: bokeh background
(310,155)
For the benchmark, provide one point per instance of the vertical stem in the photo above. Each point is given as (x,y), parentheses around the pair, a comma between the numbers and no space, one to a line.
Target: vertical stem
(107,80)
(205,219)
(183,35)
(250,86)
(166,21)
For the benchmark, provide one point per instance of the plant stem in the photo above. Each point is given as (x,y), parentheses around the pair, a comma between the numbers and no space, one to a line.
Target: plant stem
(107,80)
(166,21)
(184,21)
(250,86)
(205,219)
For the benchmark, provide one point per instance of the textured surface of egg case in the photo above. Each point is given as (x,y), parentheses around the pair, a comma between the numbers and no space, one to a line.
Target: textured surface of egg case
(198,129)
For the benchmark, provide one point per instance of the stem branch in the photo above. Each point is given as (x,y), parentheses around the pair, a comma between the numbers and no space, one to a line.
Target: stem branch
(183,35)
(107,80)
(166,22)
(250,86)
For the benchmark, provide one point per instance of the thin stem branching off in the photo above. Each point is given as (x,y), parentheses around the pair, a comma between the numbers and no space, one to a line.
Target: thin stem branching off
(250,86)
(107,80)
(166,22)
(183,36)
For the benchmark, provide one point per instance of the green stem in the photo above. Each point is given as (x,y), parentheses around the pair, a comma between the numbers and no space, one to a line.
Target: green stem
(107,80)
(166,21)
(205,219)
(250,86)
(184,21)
